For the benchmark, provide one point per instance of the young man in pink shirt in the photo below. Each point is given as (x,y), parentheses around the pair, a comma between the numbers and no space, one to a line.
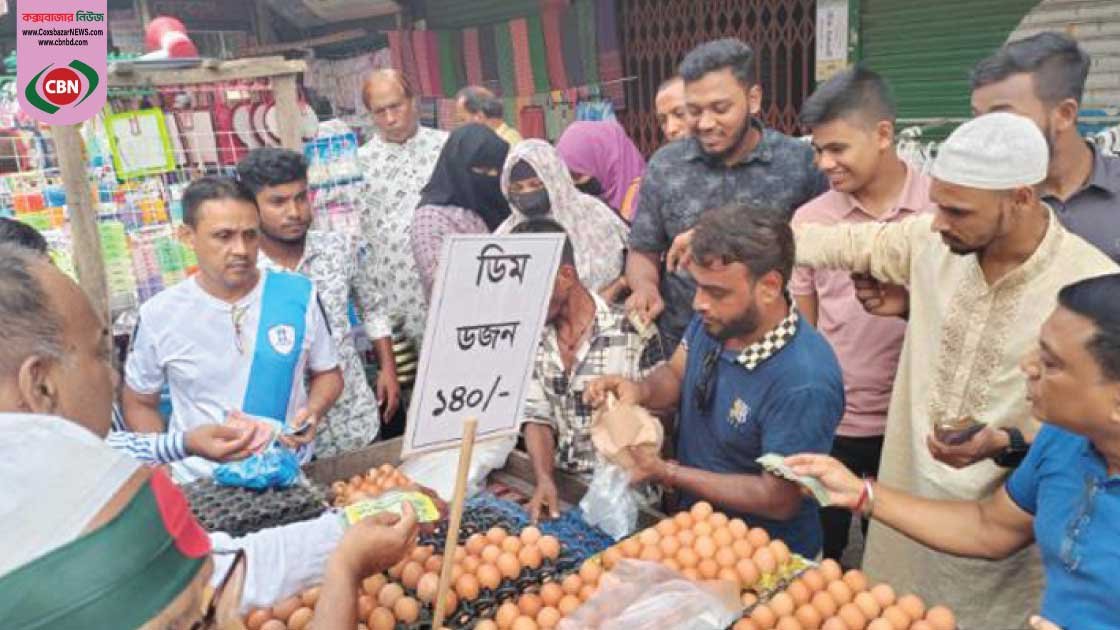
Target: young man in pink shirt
(851,117)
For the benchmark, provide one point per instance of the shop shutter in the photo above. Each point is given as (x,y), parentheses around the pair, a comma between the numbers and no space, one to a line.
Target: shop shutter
(454,14)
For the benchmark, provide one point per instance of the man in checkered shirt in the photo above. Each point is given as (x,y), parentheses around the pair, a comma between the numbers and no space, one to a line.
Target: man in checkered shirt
(749,378)
(584,339)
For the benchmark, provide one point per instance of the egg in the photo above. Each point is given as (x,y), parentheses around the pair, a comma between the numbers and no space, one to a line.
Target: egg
(686,537)
(671,563)
(687,558)
(782,604)
(631,548)
(856,580)
(941,618)
(705,547)
(738,528)
(568,604)
(381,618)
(590,572)
(884,594)
(727,574)
(723,537)
(834,623)
(507,612)
(434,563)
(764,560)
(512,544)
(587,592)
(745,624)
(799,592)
(508,565)
(530,556)
(702,528)
(868,605)
(758,537)
(691,573)
(764,617)
(467,587)
(749,599)
(524,623)
(611,556)
(853,617)
(701,510)
(683,521)
(840,592)
(788,623)
(551,592)
(824,604)
(489,576)
(406,610)
(459,555)
(666,527)
(651,554)
(470,564)
(898,617)
(496,535)
(912,605)
(530,535)
(426,589)
(372,585)
(529,604)
(300,618)
(256,618)
(475,544)
(395,570)
(708,569)
(390,593)
(421,553)
(548,617)
(781,552)
(669,546)
(748,572)
(411,573)
(649,536)
(310,597)
(808,616)
(831,570)
(742,548)
(814,580)
(451,602)
(549,546)
(490,554)
(366,605)
(921,624)
(486,624)
(725,557)
(571,584)
(880,624)
(286,607)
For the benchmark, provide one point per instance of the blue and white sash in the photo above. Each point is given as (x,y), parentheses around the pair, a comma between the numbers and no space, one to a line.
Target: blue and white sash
(283,323)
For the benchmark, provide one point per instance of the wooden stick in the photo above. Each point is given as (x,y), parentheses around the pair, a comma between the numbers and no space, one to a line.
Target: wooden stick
(465,450)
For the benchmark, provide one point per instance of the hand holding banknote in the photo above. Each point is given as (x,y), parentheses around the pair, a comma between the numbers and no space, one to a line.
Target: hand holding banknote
(827,476)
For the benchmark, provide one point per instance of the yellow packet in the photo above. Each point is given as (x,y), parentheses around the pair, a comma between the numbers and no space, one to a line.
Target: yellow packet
(391,501)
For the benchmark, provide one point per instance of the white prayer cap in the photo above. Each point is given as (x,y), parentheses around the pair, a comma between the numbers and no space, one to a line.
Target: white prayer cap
(998,151)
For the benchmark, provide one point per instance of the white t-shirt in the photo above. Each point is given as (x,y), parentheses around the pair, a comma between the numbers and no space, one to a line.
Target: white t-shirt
(188,340)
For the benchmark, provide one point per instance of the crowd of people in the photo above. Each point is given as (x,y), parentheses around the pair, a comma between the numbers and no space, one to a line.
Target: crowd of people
(941,350)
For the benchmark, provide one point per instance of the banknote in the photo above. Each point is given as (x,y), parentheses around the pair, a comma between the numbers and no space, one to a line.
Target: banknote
(776,465)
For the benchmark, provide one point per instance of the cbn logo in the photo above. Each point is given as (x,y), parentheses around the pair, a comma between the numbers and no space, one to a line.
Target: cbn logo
(60,86)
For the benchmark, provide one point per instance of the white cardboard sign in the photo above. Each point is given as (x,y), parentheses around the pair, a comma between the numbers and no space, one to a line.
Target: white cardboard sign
(488,307)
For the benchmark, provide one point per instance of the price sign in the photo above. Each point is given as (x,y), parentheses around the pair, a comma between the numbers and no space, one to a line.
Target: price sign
(488,307)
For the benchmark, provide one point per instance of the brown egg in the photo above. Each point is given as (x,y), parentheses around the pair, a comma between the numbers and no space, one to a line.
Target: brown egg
(571,584)
(824,604)
(765,561)
(451,602)
(310,597)
(496,535)
(764,617)
(507,612)
(742,548)
(868,605)
(470,564)
(411,573)
(611,556)
(898,617)
(840,592)
(831,570)
(738,528)
(852,616)
(256,618)
(856,580)
(421,553)
(631,548)
(705,547)
(912,605)
(691,574)
(708,569)
(529,556)
(941,618)
(511,544)
(459,555)
(651,554)
(921,624)
(781,552)
(434,563)
(683,521)
(286,607)
(788,623)
(467,587)
(749,599)
(649,536)
(834,623)
(390,593)
(748,572)
(782,604)
(551,592)
(809,617)
(524,623)
(590,572)
(300,619)
(490,554)
(880,624)
(723,537)
(509,566)
(671,563)
(799,592)
(687,558)
(406,610)
(475,544)
(669,546)
(686,537)
(529,604)
(381,619)
(530,535)
(395,570)
(702,528)
(548,617)
(884,594)
(814,580)
(728,574)
(587,592)
(568,604)
(426,588)
(549,546)
(372,585)
(701,510)
(725,557)
(745,624)
(489,576)
(758,537)
(666,527)
(486,624)
(365,605)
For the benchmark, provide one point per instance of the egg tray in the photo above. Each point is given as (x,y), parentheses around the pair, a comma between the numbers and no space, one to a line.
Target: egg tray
(240,511)
(801,565)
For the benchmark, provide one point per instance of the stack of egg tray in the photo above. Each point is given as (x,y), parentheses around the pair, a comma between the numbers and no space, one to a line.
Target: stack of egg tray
(239,511)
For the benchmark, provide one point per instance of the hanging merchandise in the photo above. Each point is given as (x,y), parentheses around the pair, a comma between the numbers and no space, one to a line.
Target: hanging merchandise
(140,143)
(198,137)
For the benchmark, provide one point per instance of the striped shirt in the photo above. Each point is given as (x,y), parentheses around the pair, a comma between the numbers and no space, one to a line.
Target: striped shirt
(152,449)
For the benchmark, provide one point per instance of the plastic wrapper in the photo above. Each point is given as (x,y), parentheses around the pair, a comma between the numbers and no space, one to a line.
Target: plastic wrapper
(639,595)
(274,467)
(610,503)
(437,470)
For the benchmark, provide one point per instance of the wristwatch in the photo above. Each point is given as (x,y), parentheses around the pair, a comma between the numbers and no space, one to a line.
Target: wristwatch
(1016,450)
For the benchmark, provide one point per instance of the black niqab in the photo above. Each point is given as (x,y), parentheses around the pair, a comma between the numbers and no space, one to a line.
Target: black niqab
(454,183)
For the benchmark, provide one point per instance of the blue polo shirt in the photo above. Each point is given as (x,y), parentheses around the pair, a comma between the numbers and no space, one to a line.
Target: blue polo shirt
(1064,483)
(790,403)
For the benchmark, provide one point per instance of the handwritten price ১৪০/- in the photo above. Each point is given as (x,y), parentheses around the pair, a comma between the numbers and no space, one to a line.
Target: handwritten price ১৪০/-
(463,397)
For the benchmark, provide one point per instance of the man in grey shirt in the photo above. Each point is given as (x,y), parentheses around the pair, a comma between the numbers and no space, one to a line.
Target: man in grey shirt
(730,158)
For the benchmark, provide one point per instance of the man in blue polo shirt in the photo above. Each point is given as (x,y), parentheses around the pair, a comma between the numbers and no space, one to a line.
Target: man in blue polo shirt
(1066,494)
(749,378)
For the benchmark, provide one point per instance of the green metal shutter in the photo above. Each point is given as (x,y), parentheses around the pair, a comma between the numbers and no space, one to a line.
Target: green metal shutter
(453,14)
(926,49)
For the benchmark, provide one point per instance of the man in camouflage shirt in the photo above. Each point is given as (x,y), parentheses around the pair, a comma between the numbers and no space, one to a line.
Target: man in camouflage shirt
(730,158)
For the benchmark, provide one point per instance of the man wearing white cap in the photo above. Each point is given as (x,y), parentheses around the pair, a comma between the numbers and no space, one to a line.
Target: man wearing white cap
(984,272)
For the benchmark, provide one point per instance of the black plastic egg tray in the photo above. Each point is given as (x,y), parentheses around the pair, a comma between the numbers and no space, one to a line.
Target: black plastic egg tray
(239,511)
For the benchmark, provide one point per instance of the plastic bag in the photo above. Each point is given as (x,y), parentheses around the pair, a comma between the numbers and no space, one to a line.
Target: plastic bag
(274,467)
(437,470)
(639,595)
(610,503)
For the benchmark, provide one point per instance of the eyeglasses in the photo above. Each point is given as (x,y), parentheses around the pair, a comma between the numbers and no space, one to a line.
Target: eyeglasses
(705,387)
(211,615)
(238,316)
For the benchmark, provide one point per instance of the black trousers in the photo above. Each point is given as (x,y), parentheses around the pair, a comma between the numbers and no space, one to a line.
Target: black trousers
(861,456)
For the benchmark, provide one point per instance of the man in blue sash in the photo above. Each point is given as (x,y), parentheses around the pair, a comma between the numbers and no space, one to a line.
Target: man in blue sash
(231,338)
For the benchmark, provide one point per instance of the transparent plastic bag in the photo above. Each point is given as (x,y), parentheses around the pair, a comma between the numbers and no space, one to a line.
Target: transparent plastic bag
(610,503)
(274,467)
(437,470)
(639,595)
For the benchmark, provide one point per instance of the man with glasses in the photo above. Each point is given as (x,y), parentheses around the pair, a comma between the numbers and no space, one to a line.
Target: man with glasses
(749,378)
(230,340)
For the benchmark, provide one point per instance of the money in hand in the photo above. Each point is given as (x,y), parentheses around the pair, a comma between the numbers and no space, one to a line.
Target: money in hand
(776,465)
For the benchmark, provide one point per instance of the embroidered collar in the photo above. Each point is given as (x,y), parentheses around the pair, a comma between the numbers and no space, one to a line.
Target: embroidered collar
(755,354)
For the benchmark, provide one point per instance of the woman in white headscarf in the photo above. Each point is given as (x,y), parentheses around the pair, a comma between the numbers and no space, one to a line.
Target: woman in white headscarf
(537,184)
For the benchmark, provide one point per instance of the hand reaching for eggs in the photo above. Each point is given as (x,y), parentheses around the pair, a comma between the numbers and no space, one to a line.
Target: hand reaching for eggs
(843,487)
(545,494)
(376,543)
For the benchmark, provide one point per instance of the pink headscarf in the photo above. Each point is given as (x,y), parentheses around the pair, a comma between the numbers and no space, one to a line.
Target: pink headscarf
(602,149)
